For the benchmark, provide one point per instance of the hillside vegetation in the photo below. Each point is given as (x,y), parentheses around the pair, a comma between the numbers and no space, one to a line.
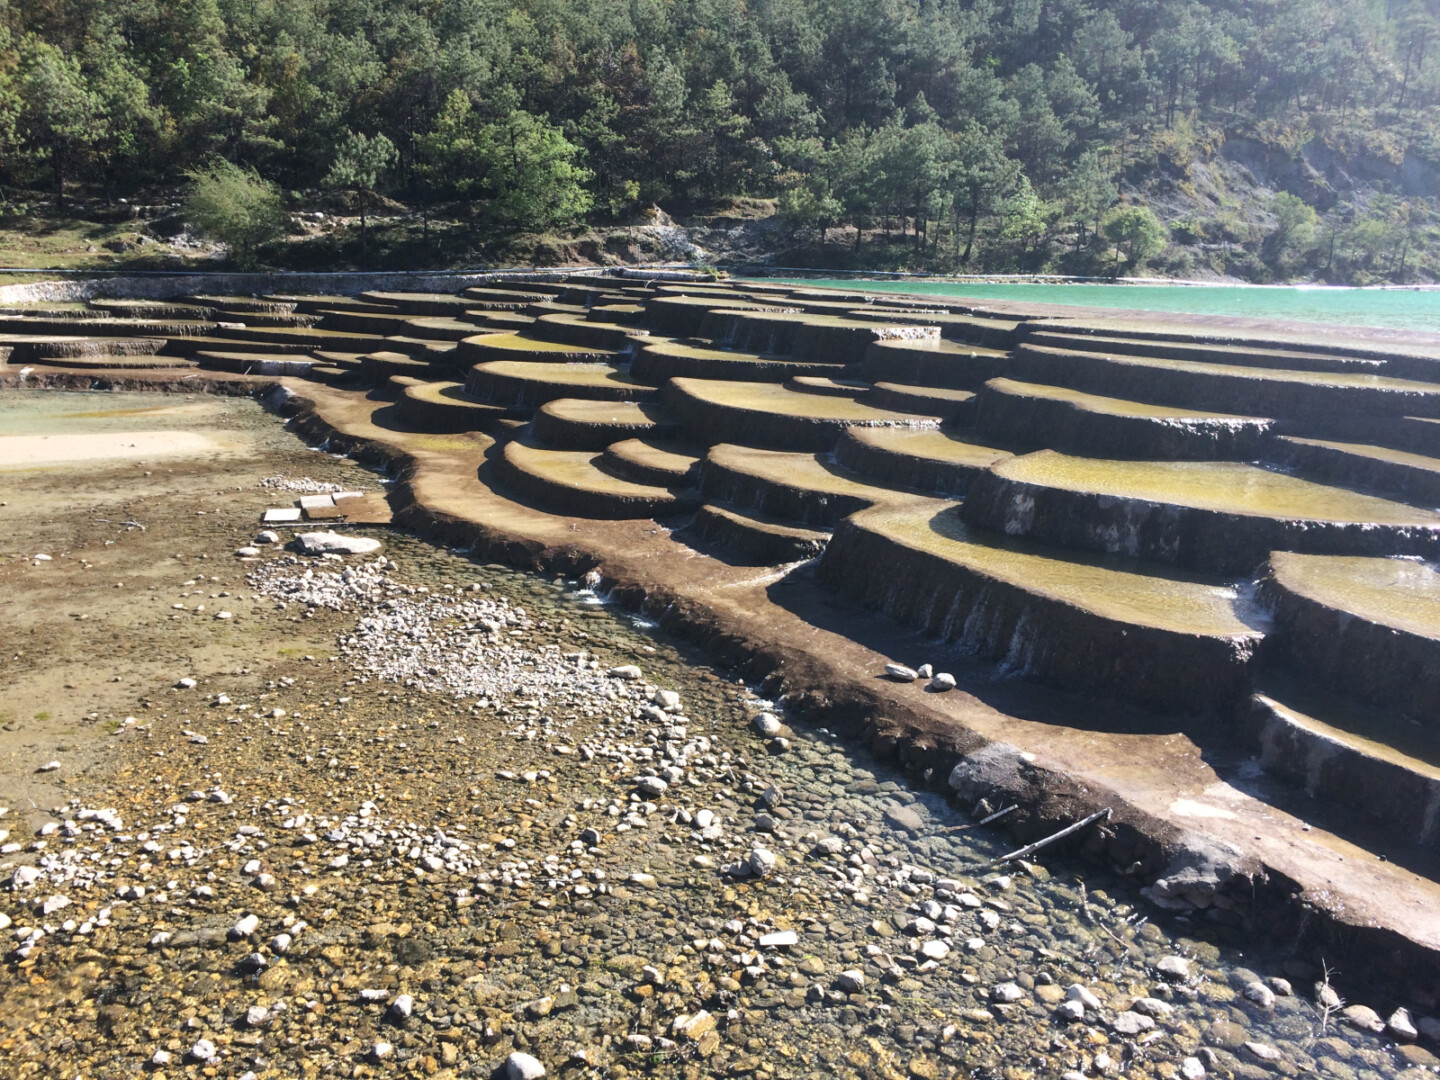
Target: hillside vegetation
(1261,139)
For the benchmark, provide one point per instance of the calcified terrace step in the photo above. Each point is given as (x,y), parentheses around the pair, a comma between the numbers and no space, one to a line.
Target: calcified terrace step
(125,308)
(806,338)
(934,363)
(28,348)
(657,361)
(750,539)
(108,362)
(682,316)
(1031,416)
(1365,627)
(578,424)
(931,461)
(1233,355)
(766,415)
(1220,517)
(483,348)
(442,407)
(579,330)
(1000,334)
(1331,750)
(798,488)
(571,482)
(523,386)
(104,327)
(1311,395)
(247,363)
(952,406)
(823,384)
(1415,478)
(1154,638)
(652,461)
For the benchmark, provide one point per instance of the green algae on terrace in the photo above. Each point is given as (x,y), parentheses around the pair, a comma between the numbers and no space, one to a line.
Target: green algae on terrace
(1155,597)
(573,468)
(1096,403)
(770,398)
(1218,486)
(1375,453)
(1403,594)
(793,470)
(931,444)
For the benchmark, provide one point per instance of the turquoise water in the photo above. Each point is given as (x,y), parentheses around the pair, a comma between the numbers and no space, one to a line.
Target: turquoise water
(1404,309)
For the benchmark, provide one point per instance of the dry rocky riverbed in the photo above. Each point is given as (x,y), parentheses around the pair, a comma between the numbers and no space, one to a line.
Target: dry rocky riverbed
(400,814)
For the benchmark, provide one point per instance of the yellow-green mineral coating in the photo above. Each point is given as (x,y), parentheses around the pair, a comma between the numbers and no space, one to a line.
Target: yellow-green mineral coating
(699,352)
(576,469)
(558,374)
(1286,375)
(1225,487)
(444,393)
(647,452)
(794,470)
(930,444)
(1095,403)
(773,398)
(582,411)
(1375,453)
(940,346)
(513,342)
(1167,601)
(1400,593)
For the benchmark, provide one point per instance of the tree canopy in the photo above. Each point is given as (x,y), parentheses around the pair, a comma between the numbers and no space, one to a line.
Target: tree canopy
(1011,123)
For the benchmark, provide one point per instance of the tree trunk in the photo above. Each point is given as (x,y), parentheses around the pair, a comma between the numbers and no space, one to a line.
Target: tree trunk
(57,165)
(970,239)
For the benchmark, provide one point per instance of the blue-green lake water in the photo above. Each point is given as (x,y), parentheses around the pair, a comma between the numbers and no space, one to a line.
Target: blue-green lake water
(1403,309)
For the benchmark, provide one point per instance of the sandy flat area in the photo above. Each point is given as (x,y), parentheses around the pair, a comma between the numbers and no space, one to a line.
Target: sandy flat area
(28,451)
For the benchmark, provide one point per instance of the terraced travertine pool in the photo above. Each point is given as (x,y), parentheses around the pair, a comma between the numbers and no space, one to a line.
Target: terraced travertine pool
(1168,601)
(930,443)
(1113,406)
(1220,486)
(1400,593)
(774,398)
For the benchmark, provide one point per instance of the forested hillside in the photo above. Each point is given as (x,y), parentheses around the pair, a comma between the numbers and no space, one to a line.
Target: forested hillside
(1258,138)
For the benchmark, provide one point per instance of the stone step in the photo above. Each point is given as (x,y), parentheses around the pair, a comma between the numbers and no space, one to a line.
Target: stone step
(254,318)
(1209,353)
(27,348)
(828,339)
(266,305)
(1368,628)
(1338,761)
(190,346)
(571,482)
(481,298)
(1032,416)
(1413,478)
(682,316)
(581,331)
(417,305)
(484,348)
(313,304)
(378,366)
(364,322)
(1249,391)
(936,363)
(245,363)
(653,461)
(489,322)
(657,361)
(754,540)
(127,308)
(443,407)
(443,328)
(952,406)
(1212,516)
(619,314)
(1001,334)
(523,386)
(770,416)
(104,326)
(824,384)
(932,462)
(797,488)
(1166,641)
(306,337)
(578,424)
(107,361)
